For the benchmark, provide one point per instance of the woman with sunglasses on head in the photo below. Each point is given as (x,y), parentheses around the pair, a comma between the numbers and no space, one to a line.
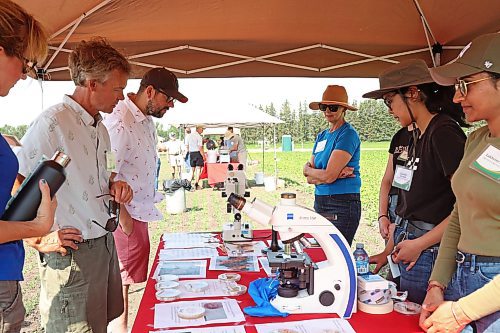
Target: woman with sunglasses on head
(334,165)
(22,43)
(434,152)
(466,273)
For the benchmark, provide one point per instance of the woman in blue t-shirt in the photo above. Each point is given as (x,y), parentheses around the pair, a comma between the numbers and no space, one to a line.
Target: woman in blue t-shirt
(334,165)
(23,43)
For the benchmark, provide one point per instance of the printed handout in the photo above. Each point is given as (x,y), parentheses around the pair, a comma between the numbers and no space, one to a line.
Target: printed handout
(326,325)
(228,329)
(194,253)
(235,264)
(183,269)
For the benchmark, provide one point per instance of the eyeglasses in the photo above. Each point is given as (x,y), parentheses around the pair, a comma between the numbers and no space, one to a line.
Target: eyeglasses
(331,107)
(113,208)
(461,85)
(29,67)
(169,98)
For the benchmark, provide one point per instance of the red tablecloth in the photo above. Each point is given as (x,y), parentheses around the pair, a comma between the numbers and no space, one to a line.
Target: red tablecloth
(361,322)
(217,172)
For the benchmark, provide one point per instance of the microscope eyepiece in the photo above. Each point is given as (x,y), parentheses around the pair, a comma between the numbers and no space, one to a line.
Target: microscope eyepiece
(236,201)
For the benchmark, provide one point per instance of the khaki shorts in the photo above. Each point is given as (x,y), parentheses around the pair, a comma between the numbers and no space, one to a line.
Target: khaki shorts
(11,307)
(82,291)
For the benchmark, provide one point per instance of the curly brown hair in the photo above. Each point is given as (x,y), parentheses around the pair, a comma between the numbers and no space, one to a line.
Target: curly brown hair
(94,60)
(20,34)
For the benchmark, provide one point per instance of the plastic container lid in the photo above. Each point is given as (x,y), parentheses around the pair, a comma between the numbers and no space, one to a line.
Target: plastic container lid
(167,295)
(229,277)
(236,289)
(167,277)
(166,285)
(191,312)
(407,308)
(196,286)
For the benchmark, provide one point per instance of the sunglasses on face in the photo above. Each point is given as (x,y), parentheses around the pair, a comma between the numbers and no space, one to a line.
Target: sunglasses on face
(331,107)
(113,208)
(461,85)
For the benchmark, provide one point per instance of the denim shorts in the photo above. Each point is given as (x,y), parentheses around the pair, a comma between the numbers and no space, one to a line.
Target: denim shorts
(469,277)
(416,279)
(342,210)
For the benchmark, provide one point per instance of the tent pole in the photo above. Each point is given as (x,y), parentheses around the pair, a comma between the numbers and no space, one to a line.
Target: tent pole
(263,145)
(275,158)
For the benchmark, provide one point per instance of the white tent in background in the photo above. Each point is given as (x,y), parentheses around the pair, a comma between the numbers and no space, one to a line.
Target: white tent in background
(249,117)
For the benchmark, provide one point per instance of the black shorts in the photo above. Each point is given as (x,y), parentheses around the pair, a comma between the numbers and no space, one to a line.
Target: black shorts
(196,160)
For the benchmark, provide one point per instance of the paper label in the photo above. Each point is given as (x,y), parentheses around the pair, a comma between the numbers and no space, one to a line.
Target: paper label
(488,163)
(320,146)
(402,178)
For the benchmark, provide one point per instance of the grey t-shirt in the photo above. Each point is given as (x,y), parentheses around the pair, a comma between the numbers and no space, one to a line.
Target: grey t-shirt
(236,139)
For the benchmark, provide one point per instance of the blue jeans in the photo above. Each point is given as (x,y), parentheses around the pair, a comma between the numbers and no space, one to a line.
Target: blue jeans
(469,277)
(343,210)
(416,279)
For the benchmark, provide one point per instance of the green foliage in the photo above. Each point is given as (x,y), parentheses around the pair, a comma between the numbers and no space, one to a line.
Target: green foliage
(18,131)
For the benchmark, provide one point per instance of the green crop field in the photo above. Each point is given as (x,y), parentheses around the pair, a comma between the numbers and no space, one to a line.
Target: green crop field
(206,211)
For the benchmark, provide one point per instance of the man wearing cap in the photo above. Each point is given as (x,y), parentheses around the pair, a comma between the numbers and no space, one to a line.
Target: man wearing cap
(237,147)
(175,152)
(134,140)
(196,154)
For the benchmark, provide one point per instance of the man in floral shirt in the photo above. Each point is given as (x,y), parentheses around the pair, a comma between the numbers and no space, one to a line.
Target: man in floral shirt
(134,140)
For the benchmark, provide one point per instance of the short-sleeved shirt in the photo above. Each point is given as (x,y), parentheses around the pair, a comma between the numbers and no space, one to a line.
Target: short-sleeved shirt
(344,138)
(438,153)
(174,147)
(11,253)
(237,139)
(194,142)
(399,151)
(68,127)
(133,141)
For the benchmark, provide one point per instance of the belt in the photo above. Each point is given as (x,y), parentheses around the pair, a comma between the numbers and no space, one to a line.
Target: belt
(467,257)
(92,240)
(416,227)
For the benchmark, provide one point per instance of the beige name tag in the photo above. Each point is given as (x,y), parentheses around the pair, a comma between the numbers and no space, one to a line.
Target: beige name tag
(110,161)
(488,163)
(402,178)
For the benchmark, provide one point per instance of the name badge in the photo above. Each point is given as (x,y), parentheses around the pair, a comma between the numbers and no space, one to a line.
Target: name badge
(402,178)
(110,161)
(320,146)
(488,163)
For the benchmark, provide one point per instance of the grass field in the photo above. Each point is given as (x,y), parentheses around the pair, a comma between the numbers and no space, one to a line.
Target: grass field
(206,211)
(309,145)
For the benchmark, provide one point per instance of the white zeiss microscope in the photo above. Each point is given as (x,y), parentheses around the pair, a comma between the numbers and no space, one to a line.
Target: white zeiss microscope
(306,287)
(235,183)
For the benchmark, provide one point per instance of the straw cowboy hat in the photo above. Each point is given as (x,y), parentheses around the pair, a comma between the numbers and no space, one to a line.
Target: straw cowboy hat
(333,95)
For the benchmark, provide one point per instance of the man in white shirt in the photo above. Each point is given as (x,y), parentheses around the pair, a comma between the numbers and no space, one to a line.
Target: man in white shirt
(134,140)
(175,151)
(79,273)
(196,154)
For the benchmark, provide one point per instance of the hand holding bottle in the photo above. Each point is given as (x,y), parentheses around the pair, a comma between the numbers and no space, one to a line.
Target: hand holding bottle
(45,215)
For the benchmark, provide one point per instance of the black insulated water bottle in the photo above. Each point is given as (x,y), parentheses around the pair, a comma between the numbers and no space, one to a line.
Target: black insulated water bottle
(23,206)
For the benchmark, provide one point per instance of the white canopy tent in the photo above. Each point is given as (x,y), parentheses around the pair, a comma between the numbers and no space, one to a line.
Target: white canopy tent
(251,117)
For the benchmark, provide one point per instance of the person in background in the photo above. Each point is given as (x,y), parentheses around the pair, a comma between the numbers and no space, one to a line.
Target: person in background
(196,154)
(187,162)
(434,152)
(175,151)
(463,293)
(81,289)
(334,165)
(238,147)
(23,44)
(133,140)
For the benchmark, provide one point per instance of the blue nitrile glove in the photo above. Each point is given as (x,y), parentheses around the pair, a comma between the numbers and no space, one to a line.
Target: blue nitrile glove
(263,290)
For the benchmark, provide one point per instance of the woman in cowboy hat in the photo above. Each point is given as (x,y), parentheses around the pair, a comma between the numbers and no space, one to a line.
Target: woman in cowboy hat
(468,266)
(434,152)
(334,165)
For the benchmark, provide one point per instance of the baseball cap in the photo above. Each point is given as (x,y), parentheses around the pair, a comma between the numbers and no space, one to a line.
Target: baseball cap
(482,54)
(405,74)
(165,81)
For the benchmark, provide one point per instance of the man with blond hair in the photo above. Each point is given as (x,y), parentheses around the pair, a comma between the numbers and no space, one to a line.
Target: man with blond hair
(81,288)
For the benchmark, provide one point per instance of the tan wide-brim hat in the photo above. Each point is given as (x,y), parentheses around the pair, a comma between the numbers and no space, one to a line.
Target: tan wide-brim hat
(405,74)
(333,95)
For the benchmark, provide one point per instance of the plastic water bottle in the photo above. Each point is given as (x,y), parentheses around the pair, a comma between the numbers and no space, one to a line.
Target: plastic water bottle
(23,206)
(362,260)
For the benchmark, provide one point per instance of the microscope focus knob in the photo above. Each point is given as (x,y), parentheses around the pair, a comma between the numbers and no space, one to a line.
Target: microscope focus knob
(247,194)
(326,298)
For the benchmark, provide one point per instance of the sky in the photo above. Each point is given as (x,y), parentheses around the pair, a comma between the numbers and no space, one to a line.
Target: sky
(28,98)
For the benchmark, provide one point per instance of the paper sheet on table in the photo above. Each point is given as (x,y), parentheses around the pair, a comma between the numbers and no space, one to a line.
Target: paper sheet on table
(221,329)
(326,325)
(264,262)
(234,264)
(183,269)
(215,288)
(195,253)
(216,311)
(189,240)
(245,249)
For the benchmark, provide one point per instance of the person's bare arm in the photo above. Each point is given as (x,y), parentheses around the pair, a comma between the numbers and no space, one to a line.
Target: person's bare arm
(338,160)
(383,199)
